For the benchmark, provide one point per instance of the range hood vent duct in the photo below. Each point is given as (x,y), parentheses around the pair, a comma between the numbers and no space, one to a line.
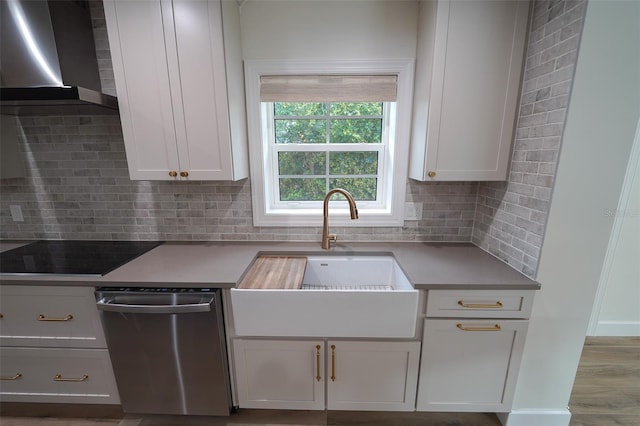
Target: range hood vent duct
(48,63)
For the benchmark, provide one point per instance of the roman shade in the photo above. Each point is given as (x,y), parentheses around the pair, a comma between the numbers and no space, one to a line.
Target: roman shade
(329,88)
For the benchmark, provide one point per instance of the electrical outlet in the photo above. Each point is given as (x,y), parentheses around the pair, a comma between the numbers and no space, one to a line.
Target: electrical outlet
(413,211)
(16,213)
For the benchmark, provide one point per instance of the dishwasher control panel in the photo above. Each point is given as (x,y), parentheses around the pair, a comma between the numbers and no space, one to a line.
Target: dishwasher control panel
(156,290)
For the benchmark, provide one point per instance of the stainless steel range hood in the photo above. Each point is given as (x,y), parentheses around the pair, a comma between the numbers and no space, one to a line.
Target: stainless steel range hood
(48,62)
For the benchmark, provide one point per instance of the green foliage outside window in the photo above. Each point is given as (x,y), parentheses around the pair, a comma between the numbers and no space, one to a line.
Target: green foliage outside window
(308,175)
(302,189)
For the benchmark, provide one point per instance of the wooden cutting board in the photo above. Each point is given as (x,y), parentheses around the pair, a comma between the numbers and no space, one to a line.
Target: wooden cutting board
(275,272)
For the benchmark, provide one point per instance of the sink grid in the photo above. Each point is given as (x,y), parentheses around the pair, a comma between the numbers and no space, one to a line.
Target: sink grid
(364,287)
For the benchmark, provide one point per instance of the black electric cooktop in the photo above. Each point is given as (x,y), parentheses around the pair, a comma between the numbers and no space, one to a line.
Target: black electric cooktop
(71,257)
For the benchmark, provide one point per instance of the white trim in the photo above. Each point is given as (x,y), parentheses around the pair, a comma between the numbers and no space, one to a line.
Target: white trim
(535,418)
(595,329)
(616,328)
(394,216)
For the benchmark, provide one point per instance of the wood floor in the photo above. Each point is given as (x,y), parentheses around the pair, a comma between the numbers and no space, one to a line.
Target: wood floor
(606,393)
(607,387)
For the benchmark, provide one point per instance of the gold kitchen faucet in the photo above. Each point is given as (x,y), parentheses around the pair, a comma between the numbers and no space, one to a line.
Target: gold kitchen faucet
(353,211)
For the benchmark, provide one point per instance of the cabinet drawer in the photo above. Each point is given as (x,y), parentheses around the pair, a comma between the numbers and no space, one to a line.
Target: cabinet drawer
(50,317)
(57,375)
(479,303)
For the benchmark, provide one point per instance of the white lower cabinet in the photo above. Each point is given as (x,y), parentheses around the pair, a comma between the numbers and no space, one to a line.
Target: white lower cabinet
(50,316)
(469,364)
(292,374)
(372,376)
(280,374)
(57,375)
(52,347)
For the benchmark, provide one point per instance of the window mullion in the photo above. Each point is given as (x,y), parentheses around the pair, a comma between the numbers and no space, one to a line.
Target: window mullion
(273,150)
(384,183)
(327,113)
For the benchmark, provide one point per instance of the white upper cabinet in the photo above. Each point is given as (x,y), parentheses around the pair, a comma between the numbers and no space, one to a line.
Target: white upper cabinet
(468,68)
(180,88)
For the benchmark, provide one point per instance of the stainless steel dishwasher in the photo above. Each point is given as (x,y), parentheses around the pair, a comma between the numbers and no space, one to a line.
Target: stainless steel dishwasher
(168,350)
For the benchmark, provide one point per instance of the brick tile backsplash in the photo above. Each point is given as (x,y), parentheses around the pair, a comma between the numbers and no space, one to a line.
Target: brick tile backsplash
(511,217)
(78,187)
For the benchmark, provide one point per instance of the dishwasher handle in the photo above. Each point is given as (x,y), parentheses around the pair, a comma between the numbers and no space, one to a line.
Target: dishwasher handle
(106,304)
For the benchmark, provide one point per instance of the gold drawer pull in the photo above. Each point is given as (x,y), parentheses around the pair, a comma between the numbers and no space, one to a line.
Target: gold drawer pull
(16,377)
(59,378)
(333,363)
(43,318)
(494,328)
(318,376)
(498,304)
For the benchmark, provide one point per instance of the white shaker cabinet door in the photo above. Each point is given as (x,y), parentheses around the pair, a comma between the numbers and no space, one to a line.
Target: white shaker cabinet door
(197,71)
(137,40)
(372,376)
(171,79)
(280,374)
(469,365)
(468,68)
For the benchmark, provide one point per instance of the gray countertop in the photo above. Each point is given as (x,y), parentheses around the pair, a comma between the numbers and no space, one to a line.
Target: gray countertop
(222,264)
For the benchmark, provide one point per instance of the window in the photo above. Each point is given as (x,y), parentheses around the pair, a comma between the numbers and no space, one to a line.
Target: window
(315,147)
(310,133)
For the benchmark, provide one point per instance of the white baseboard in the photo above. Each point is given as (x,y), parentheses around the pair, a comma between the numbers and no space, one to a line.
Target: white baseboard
(617,328)
(535,418)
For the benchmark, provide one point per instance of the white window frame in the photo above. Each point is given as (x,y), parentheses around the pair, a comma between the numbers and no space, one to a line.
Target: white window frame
(389,211)
(273,149)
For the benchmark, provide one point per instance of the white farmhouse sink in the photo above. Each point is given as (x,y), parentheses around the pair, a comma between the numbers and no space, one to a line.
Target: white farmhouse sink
(341,296)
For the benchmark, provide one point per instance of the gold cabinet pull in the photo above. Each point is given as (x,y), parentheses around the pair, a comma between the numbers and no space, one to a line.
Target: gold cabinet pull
(333,363)
(498,304)
(16,377)
(65,318)
(494,328)
(173,173)
(318,376)
(59,378)
(431,174)
(184,174)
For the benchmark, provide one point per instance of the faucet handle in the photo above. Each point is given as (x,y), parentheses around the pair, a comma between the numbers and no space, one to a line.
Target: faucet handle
(332,237)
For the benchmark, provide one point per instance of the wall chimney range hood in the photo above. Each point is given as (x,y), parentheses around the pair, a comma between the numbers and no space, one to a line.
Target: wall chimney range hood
(48,62)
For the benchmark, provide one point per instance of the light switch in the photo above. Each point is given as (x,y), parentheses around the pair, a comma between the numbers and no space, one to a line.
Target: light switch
(16,213)
(413,211)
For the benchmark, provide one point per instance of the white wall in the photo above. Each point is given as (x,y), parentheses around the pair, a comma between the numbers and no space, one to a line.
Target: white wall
(327,29)
(617,307)
(601,123)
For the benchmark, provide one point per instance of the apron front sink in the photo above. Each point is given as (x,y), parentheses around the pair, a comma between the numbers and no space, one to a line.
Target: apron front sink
(339,296)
